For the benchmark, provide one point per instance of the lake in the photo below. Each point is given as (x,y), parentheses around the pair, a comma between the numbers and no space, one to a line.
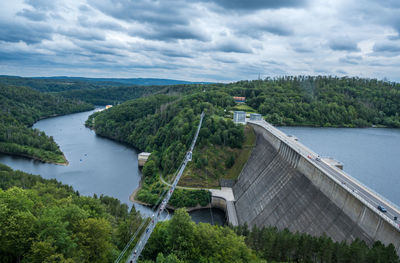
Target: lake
(371,155)
(96,165)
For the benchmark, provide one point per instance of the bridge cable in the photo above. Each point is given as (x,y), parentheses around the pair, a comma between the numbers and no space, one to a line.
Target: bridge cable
(146,235)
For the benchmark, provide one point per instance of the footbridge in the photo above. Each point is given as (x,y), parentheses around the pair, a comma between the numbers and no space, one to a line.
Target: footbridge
(285,184)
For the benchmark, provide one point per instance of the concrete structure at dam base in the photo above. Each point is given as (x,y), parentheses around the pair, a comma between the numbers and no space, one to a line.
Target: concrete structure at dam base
(286,185)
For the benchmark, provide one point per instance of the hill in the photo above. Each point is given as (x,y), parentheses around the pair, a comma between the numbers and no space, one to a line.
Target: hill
(57,84)
(128,81)
(45,221)
(20,108)
(322,101)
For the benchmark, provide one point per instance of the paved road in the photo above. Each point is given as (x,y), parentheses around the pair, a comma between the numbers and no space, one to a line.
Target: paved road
(348,182)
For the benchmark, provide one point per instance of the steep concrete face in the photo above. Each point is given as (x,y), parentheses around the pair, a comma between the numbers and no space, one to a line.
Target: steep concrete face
(279,187)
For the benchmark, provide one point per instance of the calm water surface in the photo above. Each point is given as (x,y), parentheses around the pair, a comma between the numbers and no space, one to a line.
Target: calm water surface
(96,165)
(371,155)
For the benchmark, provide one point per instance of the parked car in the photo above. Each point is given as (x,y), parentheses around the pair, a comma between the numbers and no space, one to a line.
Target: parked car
(382,208)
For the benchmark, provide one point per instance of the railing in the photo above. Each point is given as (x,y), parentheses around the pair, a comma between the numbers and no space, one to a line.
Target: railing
(306,153)
(156,216)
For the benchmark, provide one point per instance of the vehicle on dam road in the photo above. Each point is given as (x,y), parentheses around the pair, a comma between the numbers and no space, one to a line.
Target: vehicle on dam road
(382,208)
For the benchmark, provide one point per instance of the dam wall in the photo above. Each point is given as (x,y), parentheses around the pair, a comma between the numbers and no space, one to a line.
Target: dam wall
(282,186)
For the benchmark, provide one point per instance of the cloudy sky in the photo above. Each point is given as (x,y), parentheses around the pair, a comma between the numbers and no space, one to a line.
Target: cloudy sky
(200,40)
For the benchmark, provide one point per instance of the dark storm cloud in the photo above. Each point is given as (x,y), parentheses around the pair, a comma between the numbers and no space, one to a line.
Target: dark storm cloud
(257,4)
(85,22)
(33,15)
(43,4)
(390,48)
(170,33)
(232,47)
(25,32)
(343,44)
(164,12)
(82,34)
(176,54)
(159,20)
(257,29)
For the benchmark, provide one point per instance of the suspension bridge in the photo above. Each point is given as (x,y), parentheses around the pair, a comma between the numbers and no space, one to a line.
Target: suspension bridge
(135,253)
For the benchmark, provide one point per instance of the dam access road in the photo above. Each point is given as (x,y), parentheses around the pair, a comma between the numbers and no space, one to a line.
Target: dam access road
(285,184)
(349,182)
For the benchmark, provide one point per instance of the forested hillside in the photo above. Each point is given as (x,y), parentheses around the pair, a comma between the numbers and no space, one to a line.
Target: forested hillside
(54,84)
(46,221)
(165,125)
(322,101)
(20,108)
(116,95)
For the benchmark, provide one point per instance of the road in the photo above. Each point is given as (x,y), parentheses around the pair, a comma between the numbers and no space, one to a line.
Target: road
(348,182)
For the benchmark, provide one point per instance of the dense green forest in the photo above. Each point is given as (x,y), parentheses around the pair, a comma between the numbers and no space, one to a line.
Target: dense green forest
(300,100)
(283,246)
(55,84)
(322,101)
(116,95)
(165,125)
(180,240)
(46,221)
(20,108)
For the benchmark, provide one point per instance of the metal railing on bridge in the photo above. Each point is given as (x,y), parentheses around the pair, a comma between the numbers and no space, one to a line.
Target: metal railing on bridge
(156,216)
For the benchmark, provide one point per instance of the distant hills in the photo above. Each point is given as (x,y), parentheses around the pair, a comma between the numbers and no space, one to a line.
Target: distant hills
(94,82)
(128,81)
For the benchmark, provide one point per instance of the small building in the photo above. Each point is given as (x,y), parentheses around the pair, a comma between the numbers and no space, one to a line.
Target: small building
(255,117)
(108,106)
(239,117)
(142,158)
(240,99)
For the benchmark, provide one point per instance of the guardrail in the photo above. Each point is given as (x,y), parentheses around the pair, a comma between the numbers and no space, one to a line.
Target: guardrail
(305,152)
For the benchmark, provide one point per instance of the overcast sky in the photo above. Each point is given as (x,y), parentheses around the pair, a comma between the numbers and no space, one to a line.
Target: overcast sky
(200,40)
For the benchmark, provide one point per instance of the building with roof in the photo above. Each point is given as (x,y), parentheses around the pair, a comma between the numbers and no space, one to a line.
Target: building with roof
(240,99)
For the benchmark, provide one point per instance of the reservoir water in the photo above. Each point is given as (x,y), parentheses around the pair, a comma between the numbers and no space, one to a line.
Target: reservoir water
(371,155)
(96,165)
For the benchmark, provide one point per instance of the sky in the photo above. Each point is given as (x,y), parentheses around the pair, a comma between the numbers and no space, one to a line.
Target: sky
(200,40)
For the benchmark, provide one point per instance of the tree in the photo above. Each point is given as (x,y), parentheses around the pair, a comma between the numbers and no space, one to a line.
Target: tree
(94,238)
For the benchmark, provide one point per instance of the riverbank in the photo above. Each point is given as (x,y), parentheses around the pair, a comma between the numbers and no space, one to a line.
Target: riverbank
(62,157)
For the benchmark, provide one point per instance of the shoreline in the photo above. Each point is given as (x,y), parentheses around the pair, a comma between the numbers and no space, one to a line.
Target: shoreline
(34,158)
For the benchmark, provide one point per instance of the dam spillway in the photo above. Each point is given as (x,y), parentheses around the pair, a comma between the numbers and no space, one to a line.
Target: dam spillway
(283,184)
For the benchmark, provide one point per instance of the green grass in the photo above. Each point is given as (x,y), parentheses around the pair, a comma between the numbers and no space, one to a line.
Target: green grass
(214,163)
(244,107)
(244,154)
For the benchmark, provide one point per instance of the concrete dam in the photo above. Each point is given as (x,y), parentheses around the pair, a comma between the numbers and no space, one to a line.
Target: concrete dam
(284,184)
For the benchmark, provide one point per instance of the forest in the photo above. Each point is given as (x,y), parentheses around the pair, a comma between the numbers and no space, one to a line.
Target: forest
(45,221)
(20,108)
(117,95)
(322,101)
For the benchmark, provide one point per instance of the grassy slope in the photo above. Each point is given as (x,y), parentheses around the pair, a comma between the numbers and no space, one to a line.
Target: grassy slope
(208,176)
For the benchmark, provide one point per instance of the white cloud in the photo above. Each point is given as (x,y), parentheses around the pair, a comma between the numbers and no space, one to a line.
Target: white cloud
(200,40)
